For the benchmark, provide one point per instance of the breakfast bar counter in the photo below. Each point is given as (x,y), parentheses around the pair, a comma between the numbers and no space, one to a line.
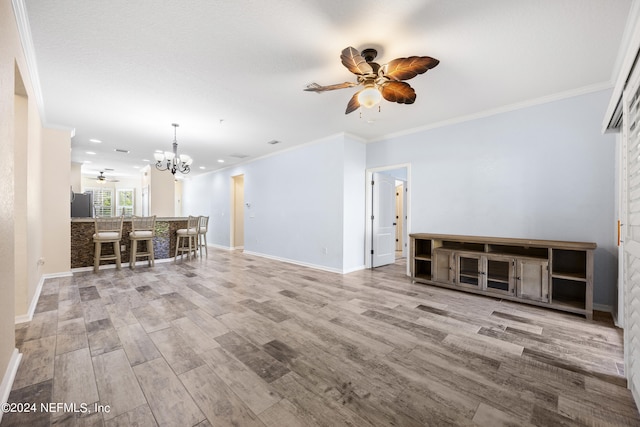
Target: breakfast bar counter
(82,230)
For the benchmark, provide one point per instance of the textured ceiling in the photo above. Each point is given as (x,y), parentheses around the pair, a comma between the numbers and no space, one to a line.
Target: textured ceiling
(232,73)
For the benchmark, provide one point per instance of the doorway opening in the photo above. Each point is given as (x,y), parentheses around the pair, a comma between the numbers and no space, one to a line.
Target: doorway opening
(237,212)
(388,219)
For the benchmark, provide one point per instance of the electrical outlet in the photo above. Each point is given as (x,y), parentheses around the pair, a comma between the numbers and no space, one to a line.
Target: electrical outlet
(41,261)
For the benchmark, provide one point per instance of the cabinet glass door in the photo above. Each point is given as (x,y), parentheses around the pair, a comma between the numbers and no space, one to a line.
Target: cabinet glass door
(500,275)
(469,270)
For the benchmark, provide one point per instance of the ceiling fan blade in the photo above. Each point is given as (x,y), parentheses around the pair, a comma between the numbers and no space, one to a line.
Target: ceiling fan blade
(353,104)
(315,87)
(354,62)
(399,92)
(408,68)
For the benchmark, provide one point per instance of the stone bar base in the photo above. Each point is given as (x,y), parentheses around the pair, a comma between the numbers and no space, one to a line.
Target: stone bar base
(82,247)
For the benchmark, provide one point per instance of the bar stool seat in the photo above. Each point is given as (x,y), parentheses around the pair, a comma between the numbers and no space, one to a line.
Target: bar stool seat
(108,230)
(143,229)
(190,233)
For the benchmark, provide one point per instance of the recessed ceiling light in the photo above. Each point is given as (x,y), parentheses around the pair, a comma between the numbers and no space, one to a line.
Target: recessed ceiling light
(97,141)
(159,151)
(91,153)
(87,161)
(220,161)
(136,167)
(202,167)
(146,160)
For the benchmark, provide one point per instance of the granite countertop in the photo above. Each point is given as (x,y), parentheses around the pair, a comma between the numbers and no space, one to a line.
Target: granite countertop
(126,219)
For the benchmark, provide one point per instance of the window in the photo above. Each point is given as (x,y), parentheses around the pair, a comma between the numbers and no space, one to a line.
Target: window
(124,202)
(102,201)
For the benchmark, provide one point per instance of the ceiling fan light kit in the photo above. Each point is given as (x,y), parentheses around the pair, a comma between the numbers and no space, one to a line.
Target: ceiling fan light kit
(379,82)
(369,97)
(170,160)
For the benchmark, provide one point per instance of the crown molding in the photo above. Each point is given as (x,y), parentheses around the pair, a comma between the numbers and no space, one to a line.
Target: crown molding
(24,31)
(500,110)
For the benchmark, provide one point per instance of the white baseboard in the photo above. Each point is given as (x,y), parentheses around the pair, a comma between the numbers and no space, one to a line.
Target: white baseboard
(224,248)
(9,377)
(291,261)
(351,270)
(603,307)
(36,296)
(22,318)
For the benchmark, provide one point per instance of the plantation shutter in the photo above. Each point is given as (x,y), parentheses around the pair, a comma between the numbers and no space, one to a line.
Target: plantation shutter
(102,201)
(631,231)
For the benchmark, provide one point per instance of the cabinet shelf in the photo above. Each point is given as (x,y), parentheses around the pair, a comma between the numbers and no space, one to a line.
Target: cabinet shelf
(422,249)
(469,273)
(463,246)
(521,251)
(547,273)
(469,280)
(569,276)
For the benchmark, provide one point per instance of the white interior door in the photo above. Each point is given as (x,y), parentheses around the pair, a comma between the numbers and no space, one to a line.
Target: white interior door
(399,216)
(383,220)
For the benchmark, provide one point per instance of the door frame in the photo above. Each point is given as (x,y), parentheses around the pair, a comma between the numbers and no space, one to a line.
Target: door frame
(369,209)
(232,213)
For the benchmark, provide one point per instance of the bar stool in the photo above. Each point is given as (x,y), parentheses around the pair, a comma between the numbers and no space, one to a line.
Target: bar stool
(190,233)
(143,229)
(108,230)
(203,227)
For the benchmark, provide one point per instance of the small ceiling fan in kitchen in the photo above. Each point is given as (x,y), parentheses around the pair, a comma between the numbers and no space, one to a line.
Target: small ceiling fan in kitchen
(102,178)
(378,81)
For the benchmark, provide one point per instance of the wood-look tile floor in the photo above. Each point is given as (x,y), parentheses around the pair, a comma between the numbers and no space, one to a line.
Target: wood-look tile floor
(245,341)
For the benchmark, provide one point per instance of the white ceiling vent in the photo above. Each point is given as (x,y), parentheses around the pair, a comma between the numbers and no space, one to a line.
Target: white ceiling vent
(239,156)
(120,150)
(273,142)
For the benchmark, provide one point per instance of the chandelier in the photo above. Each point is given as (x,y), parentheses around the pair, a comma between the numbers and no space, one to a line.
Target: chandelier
(170,161)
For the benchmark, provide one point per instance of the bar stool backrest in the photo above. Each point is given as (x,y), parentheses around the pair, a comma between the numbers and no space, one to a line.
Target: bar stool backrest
(192,223)
(143,223)
(109,225)
(203,224)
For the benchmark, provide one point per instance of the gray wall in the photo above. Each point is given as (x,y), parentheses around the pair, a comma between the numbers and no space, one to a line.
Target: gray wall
(306,204)
(542,172)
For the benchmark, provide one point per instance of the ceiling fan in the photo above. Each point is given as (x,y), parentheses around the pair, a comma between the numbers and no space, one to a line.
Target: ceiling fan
(102,178)
(378,81)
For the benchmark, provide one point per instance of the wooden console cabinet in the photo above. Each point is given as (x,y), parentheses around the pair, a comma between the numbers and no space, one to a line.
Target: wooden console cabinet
(547,273)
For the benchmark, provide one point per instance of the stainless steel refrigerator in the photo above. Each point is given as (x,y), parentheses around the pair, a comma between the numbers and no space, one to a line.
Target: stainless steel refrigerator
(82,205)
